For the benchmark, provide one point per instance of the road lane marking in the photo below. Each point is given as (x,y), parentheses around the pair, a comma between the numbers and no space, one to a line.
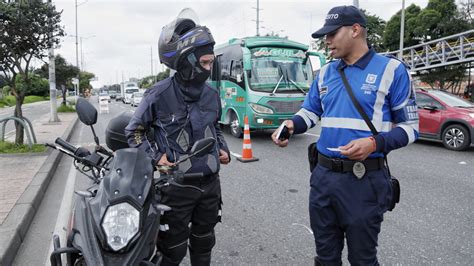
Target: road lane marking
(314,135)
(235,154)
(307,228)
(64,210)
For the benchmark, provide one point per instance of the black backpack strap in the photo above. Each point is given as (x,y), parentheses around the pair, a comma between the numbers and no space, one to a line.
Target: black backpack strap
(356,103)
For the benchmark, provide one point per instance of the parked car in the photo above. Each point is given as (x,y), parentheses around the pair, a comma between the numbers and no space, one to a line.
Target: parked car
(103,96)
(112,94)
(136,98)
(446,117)
(118,98)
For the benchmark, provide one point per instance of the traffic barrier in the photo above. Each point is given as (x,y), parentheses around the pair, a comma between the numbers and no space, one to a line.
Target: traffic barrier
(247,146)
(103,106)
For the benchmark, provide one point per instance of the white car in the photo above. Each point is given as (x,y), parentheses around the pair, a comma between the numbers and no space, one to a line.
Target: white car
(136,98)
(103,96)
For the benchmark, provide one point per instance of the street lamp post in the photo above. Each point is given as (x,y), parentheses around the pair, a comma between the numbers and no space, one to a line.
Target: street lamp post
(402,31)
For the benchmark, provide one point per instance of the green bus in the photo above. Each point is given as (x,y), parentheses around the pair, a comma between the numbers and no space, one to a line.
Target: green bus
(265,78)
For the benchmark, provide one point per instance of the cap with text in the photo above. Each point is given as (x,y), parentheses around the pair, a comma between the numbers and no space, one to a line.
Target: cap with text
(341,16)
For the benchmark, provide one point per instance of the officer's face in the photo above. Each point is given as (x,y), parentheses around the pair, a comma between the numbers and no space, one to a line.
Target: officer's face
(206,61)
(341,41)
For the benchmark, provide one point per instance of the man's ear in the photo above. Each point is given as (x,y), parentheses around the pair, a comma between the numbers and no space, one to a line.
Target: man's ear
(356,30)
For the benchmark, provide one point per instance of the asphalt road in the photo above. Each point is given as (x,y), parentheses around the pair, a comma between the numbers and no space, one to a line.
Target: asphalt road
(265,212)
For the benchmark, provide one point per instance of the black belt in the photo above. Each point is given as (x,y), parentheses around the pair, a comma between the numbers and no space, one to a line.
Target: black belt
(345,165)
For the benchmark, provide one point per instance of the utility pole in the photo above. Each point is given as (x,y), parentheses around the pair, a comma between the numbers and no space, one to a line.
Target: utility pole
(402,31)
(77,57)
(258,17)
(52,77)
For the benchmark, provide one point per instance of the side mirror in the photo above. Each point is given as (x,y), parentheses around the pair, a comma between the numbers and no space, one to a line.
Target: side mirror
(430,107)
(86,112)
(202,146)
(199,148)
(238,78)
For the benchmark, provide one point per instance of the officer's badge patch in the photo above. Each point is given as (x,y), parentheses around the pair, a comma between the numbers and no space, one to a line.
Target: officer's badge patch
(371,78)
(323,90)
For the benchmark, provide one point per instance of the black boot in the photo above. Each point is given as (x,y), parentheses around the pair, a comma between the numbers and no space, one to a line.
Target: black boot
(203,259)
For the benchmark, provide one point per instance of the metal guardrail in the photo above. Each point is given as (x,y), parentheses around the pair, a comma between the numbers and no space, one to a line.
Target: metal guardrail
(454,49)
(28,129)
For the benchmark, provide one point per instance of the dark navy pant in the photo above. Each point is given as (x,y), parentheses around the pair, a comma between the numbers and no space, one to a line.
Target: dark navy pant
(342,205)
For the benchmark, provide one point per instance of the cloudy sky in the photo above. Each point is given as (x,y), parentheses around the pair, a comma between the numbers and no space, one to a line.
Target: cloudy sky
(120,36)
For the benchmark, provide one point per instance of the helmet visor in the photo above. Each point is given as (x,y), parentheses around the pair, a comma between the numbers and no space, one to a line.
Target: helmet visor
(186,19)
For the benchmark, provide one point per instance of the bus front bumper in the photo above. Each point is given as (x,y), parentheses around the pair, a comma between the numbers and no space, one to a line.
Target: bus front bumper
(264,121)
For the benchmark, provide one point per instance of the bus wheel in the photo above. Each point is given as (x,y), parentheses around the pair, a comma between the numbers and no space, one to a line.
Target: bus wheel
(235,128)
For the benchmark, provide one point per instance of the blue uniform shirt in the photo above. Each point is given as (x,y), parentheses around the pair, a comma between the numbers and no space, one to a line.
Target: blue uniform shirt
(382,85)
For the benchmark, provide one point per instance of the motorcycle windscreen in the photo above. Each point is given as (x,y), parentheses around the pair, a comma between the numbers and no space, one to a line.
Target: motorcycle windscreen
(130,177)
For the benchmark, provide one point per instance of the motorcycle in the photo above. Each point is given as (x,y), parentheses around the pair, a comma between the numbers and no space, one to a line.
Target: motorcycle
(116,220)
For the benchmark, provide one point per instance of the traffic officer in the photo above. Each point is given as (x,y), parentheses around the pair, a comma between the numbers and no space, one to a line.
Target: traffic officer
(345,201)
(181,110)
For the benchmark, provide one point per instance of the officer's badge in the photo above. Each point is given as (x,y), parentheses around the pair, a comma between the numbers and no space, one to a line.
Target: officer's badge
(359,170)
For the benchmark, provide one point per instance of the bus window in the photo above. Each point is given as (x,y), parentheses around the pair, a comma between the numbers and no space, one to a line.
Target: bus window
(236,73)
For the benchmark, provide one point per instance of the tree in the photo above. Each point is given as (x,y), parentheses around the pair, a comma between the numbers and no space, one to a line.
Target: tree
(64,74)
(375,29)
(146,82)
(85,78)
(391,35)
(25,27)
(163,75)
(36,85)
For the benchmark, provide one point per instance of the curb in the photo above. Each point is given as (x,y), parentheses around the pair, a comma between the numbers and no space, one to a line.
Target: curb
(15,226)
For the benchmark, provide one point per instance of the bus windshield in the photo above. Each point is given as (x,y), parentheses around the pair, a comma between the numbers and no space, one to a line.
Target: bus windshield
(280,70)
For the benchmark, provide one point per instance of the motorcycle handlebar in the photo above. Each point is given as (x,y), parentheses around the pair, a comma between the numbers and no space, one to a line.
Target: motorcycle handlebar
(66,145)
(193,175)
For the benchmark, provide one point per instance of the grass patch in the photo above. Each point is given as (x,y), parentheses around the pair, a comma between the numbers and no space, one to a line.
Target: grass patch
(7,101)
(34,98)
(11,101)
(66,109)
(10,147)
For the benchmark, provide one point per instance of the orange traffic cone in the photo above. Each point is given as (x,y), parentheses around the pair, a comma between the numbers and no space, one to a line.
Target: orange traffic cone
(247,147)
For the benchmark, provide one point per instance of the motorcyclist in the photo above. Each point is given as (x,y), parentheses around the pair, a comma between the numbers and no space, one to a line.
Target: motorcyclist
(181,110)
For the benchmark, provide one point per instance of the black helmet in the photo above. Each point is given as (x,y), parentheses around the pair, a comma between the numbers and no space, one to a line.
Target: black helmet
(181,37)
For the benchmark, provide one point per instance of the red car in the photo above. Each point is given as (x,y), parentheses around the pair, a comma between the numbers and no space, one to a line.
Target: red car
(445,117)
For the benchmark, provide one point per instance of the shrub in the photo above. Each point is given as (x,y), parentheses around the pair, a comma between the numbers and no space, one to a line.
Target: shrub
(66,109)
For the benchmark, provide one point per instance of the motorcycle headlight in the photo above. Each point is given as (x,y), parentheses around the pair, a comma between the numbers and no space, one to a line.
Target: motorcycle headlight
(260,108)
(120,224)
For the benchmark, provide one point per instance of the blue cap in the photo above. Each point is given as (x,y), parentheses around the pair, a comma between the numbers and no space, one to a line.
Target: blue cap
(341,16)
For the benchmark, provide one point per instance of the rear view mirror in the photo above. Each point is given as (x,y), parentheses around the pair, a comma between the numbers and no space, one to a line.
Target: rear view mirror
(202,146)
(86,112)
